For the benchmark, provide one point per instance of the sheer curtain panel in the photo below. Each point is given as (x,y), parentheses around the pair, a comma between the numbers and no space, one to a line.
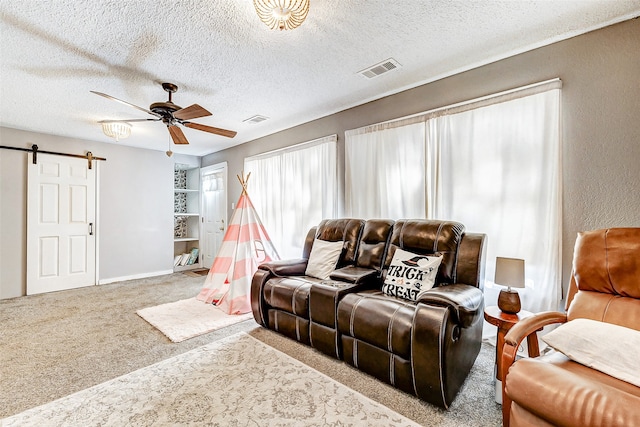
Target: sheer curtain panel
(294,189)
(498,173)
(385,171)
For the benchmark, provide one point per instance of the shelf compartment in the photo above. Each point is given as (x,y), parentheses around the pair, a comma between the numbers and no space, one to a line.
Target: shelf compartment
(186,235)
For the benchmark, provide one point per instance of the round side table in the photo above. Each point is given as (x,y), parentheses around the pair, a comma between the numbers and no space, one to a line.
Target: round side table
(504,322)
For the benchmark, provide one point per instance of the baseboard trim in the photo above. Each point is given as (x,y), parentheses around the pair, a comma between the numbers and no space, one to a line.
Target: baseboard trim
(134,276)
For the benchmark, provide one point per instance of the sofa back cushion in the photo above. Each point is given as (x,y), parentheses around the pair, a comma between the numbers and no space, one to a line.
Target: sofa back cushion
(308,242)
(429,237)
(346,230)
(373,243)
(606,277)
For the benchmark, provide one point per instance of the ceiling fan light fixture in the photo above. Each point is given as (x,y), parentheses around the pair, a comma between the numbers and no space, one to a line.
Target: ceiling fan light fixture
(116,130)
(282,14)
(171,115)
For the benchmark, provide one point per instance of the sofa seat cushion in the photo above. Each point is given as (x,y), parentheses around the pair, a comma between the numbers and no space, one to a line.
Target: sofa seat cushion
(378,319)
(290,294)
(564,392)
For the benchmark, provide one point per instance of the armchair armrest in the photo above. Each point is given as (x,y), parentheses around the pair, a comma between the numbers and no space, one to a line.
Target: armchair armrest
(527,326)
(352,274)
(290,267)
(512,340)
(466,301)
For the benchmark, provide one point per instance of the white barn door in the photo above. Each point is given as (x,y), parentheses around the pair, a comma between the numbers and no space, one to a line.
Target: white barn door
(61,211)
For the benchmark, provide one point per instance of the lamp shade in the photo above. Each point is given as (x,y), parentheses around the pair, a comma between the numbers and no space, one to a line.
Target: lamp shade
(510,272)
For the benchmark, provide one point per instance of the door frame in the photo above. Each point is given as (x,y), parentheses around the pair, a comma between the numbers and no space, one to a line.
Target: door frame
(222,166)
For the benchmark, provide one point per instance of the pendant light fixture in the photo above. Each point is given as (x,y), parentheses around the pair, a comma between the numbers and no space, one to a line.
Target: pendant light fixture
(282,14)
(116,130)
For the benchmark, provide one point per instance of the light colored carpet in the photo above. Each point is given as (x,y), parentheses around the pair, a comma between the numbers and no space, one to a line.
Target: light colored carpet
(188,318)
(234,381)
(197,273)
(56,344)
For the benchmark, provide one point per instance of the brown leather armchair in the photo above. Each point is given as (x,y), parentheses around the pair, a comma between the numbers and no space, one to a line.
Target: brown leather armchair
(554,390)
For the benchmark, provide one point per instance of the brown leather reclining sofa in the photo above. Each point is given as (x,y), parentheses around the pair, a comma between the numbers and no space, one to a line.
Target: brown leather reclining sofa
(424,347)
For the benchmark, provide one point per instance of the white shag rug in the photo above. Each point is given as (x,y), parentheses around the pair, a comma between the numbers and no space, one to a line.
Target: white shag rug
(235,381)
(188,318)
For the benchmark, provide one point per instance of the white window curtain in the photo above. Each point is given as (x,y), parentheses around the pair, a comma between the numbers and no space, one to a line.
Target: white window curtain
(294,189)
(384,171)
(493,164)
(499,174)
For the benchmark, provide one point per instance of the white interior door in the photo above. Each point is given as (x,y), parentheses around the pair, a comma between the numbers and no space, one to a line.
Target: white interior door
(214,211)
(61,210)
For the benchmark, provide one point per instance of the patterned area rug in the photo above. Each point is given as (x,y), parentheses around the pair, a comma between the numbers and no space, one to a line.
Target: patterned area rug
(235,381)
(188,318)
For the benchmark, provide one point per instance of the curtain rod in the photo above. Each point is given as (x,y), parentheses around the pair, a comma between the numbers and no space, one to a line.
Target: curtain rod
(34,149)
(295,147)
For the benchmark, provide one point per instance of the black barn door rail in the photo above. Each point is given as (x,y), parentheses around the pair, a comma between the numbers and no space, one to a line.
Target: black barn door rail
(34,149)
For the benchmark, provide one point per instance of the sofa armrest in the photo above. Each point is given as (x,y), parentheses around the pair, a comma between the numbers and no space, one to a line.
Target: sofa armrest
(289,267)
(352,274)
(465,301)
(512,340)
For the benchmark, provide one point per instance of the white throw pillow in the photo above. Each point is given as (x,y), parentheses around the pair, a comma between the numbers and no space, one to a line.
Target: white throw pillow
(608,348)
(323,258)
(410,275)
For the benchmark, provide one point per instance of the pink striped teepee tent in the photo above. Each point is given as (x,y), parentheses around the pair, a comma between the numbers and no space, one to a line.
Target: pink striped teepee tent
(246,244)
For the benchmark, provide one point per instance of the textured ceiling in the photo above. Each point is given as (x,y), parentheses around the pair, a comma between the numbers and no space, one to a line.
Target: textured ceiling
(223,58)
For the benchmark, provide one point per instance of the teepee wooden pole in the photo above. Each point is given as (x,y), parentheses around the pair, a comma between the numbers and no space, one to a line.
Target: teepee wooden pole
(244,181)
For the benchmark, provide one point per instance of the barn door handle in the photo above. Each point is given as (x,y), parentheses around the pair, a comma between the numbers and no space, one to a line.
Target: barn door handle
(90,229)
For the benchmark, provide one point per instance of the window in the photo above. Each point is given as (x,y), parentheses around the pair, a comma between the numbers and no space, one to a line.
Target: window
(384,171)
(492,164)
(293,190)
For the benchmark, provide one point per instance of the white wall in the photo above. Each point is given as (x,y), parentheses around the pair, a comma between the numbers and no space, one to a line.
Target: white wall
(600,72)
(135,225)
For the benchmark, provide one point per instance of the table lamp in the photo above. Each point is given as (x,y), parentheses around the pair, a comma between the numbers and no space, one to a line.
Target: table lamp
(510,273)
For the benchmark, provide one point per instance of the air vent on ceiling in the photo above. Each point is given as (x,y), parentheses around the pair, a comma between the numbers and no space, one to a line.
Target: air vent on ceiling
(381,68)
(255,119)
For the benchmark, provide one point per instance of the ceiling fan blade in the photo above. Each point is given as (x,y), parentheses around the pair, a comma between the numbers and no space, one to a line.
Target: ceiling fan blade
(211,129)
(125,103)
(191,112)
(177,135)
(130,120)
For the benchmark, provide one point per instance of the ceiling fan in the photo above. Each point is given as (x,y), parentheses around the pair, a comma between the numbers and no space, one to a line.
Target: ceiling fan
(173,115)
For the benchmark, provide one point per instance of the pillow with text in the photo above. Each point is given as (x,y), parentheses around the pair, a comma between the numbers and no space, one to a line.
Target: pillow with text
(410,275)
